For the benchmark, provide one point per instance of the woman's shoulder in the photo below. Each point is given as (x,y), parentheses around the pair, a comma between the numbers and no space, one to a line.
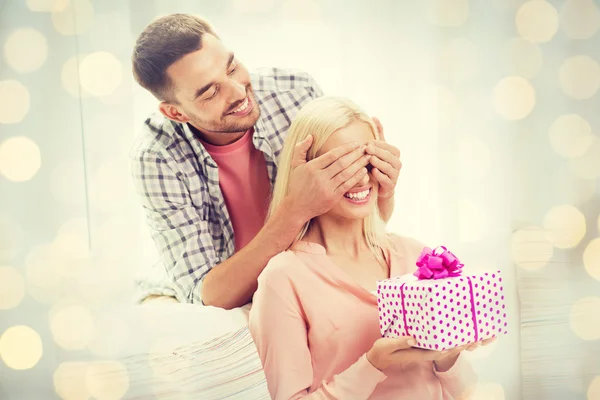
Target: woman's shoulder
(281,268)
(404,244)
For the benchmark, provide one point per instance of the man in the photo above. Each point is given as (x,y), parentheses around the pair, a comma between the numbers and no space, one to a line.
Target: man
(205,165)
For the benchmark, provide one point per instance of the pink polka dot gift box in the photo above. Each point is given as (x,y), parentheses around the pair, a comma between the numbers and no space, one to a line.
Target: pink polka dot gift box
(440,307)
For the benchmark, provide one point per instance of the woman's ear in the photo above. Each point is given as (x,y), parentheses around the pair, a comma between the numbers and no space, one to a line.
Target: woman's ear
(379,127)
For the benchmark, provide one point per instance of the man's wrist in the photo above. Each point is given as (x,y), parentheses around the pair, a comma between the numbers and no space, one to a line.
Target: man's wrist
(293,216)
(283,226)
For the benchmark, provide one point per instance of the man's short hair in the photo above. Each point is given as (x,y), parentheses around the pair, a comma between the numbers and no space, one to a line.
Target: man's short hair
(162,43)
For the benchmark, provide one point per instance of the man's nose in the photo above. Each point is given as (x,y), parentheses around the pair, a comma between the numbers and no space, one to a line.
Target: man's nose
(237,91)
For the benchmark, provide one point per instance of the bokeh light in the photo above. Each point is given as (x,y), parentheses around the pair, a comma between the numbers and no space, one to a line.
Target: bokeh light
(69,381)
(20,159)
(110,188)
(571,135)
(70,78)
(72,327)
(112,334)
(112,32)
(579,77)
(591,258)
(105,281)
(565,226)
(514,98)
(593,392)
(11,237)
(460,59)
(580,19)
(14,102)
(488,391)
(523,58)
(100,73)
(71,247)
(114,236)
(537,21)
(107,380)
(47,5)
(76,18)
(569,189)
(583,318)
(530,248)
(43,281)
(12,288)
(474,158)
(588,165)
(447,13)
(473,221)
(67,182)
(26,50)
(20,347)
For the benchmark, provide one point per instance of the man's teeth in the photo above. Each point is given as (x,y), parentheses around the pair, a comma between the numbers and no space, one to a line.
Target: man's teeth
(242,107)
(358,195)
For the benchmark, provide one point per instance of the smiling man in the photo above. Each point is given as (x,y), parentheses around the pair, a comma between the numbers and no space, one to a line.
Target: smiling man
(205,164)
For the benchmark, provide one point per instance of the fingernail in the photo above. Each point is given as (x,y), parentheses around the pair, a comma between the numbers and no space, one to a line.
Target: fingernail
(356,145)
(411,342)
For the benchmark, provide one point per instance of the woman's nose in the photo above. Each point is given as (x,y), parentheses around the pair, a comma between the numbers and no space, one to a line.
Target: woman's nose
(365,180)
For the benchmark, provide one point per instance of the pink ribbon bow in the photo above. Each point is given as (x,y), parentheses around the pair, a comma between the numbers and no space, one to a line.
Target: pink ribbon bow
(437,264)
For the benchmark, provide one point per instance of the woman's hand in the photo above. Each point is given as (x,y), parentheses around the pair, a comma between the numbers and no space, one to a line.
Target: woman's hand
(398,351)
(388,351)
(449,357)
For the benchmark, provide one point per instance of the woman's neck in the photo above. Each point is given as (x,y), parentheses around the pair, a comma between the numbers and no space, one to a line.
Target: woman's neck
(338,235)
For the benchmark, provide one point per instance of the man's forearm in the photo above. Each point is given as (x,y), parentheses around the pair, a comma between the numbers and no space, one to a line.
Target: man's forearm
(386,207)
(233,282)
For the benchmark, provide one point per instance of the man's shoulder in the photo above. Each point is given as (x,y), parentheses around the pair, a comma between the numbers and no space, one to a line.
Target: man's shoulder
(281,80)
(157,135)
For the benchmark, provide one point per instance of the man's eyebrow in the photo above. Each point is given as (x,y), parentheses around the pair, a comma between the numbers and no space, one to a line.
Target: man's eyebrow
(204,88)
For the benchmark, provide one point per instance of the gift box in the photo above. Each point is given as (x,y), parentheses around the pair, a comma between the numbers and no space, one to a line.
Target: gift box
(439,307)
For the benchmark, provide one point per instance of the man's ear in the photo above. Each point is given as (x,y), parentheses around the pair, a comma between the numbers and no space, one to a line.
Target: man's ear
(172,112)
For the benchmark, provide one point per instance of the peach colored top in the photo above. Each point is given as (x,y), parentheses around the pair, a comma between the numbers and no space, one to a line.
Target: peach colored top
(313,325)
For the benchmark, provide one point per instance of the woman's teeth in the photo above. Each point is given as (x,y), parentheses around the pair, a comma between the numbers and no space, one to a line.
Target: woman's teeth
(241,107)
(358,195)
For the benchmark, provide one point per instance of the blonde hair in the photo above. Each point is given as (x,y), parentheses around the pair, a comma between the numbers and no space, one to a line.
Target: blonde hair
(321,118)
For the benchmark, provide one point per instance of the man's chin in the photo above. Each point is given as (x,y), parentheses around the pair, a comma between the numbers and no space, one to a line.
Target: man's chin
(244,123)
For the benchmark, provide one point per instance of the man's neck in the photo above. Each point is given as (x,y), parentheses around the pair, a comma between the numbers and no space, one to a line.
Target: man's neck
(217,138)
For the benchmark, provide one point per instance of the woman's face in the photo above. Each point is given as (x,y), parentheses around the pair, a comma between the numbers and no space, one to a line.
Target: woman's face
(359,201)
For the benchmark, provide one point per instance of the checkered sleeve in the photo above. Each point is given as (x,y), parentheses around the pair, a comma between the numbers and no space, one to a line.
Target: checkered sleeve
(179,230)
(314,88)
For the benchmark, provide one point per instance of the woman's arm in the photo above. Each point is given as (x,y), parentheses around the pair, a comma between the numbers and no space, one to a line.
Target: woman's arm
(280,333)
(458,380)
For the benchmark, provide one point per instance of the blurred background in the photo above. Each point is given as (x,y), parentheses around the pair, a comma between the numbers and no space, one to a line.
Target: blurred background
(493,103)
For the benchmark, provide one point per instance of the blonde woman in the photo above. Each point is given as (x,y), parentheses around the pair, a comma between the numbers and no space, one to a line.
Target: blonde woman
(314,316)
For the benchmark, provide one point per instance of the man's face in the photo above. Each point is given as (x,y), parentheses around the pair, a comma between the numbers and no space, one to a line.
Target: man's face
(214,92)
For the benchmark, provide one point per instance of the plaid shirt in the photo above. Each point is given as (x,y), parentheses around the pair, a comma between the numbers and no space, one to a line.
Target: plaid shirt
(178,182)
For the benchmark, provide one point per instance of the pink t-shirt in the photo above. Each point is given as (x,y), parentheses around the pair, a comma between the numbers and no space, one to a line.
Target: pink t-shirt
(245,185)
(313,325)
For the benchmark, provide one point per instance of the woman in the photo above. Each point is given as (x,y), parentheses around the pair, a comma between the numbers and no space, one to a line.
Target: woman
(314,316)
